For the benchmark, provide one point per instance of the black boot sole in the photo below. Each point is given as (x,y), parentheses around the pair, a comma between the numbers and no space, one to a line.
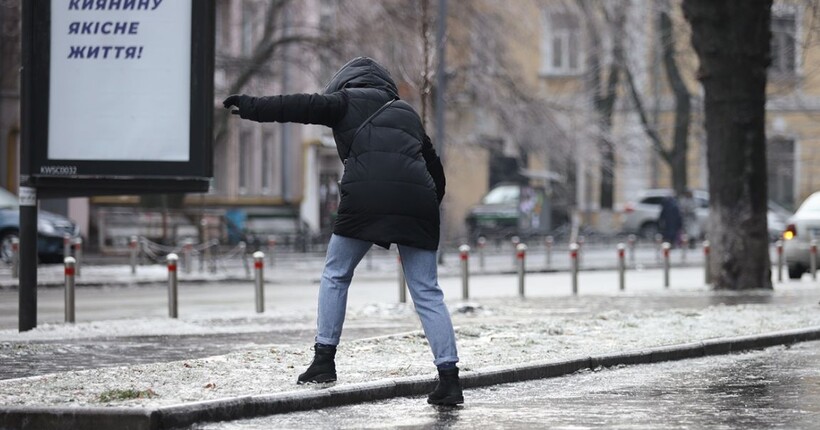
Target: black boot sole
(447,401)
(318,379)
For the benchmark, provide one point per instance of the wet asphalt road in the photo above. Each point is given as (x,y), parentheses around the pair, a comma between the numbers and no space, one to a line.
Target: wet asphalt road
(775,388)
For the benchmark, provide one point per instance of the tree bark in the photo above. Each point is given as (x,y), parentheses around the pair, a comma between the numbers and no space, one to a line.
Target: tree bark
(731,38)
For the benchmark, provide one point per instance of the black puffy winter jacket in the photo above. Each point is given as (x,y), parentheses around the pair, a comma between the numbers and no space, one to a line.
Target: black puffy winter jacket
(393,180)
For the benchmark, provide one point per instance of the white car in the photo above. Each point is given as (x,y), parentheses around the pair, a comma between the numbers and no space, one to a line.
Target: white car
(641,216)
(802,227)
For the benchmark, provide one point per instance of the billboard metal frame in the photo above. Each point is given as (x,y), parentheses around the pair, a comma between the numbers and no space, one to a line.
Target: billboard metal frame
(107,177)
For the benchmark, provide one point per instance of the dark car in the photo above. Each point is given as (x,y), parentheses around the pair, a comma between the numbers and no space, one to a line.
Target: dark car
(51,228)
(509,210)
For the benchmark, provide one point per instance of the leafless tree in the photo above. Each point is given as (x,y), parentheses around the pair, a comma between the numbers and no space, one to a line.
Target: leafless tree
(281,29)
(480,71)
(674,156)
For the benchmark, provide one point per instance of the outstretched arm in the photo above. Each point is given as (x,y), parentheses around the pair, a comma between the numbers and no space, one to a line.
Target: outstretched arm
(325,109)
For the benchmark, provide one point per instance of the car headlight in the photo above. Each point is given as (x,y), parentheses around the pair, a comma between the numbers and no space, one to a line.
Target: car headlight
(46,227)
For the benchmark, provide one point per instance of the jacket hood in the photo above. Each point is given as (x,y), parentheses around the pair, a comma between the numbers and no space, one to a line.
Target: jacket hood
(362,72)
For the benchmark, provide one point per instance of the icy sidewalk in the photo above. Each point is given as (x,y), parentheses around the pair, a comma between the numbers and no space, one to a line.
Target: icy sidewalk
(493,333)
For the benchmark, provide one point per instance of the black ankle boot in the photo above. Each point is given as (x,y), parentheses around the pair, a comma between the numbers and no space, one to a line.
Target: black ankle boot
(448,390)
(323,367)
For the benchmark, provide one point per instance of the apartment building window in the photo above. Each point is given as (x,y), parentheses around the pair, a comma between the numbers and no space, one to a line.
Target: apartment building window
(221,25)
(561,49)
(245,156)
(780,163)
(250,19)
(784,43)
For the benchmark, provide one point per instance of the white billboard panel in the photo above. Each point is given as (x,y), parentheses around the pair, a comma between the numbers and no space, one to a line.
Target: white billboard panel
(120,80)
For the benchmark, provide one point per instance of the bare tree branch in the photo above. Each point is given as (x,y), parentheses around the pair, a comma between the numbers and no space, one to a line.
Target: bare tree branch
(655,139)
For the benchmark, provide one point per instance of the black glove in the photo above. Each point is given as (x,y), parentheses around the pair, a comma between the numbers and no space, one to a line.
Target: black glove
(243,103)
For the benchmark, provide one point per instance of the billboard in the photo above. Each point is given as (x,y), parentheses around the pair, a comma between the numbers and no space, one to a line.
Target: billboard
(118,95)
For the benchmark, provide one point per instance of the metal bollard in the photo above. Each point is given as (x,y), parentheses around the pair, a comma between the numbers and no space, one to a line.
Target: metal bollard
(581,241)
(69,288)
(706,265)
(212,256)
(684,246)
(779,246)
(573,261)
(259,280)
(187,250)
(172,285)
(548,242)
(521,257)
(666,246)
(658,246)
(813,259)
(631,240)
(482,242)
(141,253)
(515,242)
(133,248)
(464,252)
(271,247)
(621,266)
(402,282)
(78,253)
(66,245)
(15,258)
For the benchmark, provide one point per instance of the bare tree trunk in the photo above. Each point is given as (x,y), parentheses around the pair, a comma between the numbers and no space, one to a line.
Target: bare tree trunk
(731,38)
(680,141)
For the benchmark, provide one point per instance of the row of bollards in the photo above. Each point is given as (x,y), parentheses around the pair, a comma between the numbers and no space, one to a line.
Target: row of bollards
(574,253)
(259,283)
(71,272)
(173,284)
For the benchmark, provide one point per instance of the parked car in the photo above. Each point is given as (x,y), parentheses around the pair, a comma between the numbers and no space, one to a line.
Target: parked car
(801,228)
(641,216)
(51,228)
(509,210)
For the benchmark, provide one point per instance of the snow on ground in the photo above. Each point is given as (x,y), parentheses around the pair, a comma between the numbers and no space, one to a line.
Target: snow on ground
(491,333)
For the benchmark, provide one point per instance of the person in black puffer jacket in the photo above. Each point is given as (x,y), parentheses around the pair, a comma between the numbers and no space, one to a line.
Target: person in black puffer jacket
(392,186)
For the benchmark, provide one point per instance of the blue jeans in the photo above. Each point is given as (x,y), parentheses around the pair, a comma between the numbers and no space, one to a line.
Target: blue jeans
(344,254)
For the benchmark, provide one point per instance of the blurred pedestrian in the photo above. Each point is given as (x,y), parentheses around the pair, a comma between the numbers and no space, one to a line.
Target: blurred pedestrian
(670,221)
(392,186)
(688,209)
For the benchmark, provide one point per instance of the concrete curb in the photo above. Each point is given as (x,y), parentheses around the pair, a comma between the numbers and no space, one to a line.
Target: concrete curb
(184,415)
